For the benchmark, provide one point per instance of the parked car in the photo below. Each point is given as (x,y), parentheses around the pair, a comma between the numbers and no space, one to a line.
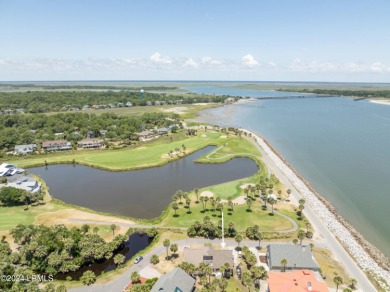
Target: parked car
(138,259)
(238,271)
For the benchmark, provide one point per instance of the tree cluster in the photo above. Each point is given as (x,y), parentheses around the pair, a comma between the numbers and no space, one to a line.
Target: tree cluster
(51,101)
(56,249)
(33,129)
(10,196)
(209,229)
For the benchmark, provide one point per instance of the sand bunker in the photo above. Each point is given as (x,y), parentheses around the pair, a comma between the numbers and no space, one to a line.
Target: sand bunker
(207,194)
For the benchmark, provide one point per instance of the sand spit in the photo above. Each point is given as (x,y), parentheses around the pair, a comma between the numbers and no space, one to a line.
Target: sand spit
(367,256)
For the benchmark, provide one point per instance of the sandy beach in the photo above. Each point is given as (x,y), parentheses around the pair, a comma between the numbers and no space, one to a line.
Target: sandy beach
(367,257)
(381,101)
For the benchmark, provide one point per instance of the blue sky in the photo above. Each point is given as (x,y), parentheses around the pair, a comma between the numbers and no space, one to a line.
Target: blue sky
(302,40)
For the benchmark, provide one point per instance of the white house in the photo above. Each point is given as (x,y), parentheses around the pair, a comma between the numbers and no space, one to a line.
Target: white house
(25,149)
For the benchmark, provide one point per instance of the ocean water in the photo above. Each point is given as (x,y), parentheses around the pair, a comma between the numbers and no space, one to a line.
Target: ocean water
(341,146)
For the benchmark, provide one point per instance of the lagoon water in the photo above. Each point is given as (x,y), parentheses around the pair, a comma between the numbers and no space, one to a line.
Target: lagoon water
(341,146)
(141,193)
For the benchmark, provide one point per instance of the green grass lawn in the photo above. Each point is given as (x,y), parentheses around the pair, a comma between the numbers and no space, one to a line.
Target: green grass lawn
(240,217)
(12,216)
(145,155)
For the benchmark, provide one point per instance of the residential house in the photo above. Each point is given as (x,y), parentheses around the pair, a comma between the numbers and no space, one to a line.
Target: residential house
(19,110)
(129,104)
(295,281)
(90,143)
(175,281)
(26,183)
(9,169)
(85,107)
(210,256)
(56,145)
(297,256)
(25,149)
(103,132)
(149,103)
(146,135)
(162,131)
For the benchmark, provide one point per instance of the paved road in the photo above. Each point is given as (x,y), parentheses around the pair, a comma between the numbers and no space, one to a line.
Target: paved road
(321,229)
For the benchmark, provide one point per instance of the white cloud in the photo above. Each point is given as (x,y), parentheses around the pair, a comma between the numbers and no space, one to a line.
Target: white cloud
(210,61)
(272,64)
(157,58)
(190,62)
(379,67)
(249,60)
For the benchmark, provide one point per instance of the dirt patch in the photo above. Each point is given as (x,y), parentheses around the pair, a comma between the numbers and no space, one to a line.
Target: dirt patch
(61,217)
(223,137)
(9,238)
(166,266)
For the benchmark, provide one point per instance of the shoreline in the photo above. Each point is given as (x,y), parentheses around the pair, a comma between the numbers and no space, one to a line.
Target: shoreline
(380,101)
(367,256)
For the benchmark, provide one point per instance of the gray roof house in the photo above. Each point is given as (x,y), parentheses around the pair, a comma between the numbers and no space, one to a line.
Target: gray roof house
(175,281)
(25,149)
(162,131)
(210,256)
(297,256)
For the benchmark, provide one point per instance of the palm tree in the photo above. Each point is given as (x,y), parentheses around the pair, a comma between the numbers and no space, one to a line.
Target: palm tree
(179,194)
(246,191)
(247,280)
(338,281)
(188,203)
(175,198)
(249,203)
(208,271)
(301,235)
(84,228)
(206,199)
(175,206)
(213,203)
(202,201)
(295,241)
(88,278)
(113,227)
(259,237)
(95,229)
(264,198)
(253,190)
(272,201)
(220,207)
(184,148)
(353,283)
(238,239)
(230,203)
(300,207)
(173,249)
(231,228)
(197,195)
(311,246)
(258,189)
(185,196)
(283,262)
(302,201)
(167,243)
(135,277)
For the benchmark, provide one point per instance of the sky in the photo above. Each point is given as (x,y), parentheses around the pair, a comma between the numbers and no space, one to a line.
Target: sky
(259,40)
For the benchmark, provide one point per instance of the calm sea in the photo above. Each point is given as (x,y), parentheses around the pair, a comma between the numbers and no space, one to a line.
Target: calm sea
(341,146)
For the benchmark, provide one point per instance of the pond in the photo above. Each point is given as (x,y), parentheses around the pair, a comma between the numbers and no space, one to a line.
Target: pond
(139,193)
(133,245)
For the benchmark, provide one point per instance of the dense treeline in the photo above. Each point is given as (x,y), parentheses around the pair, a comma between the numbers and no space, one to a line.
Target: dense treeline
(49,101)
(35,128)
(72,86)
(340,92)
(10,196)
(51,250)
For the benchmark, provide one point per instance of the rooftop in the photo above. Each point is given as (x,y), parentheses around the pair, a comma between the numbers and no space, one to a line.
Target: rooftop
(297,256)
(295,281)
(177,280)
